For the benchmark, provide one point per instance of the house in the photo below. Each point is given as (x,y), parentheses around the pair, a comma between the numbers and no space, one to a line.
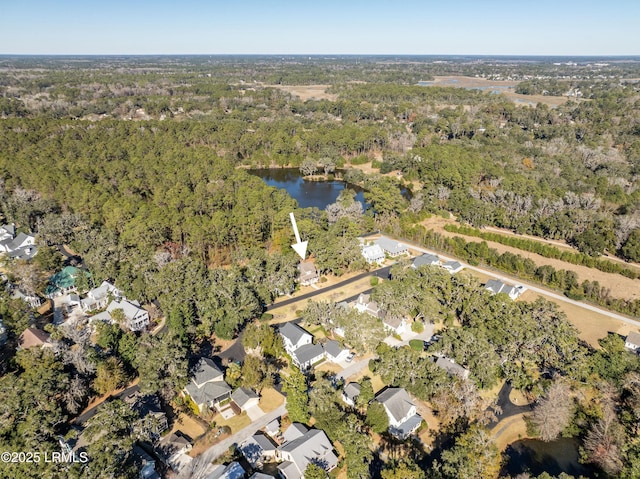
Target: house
(233,470)
(350,393)
(259,449)
(62,282)
(136,318)
(173,450)
(307,355)
(19,247)
(450,366)
(33,337)
(98,298)
(402,412)
(207,387)
(373,254)
(145,465)
(273,428)
(395,325)
(7,233)
(150,410)
(334,352)
(294,431)
(452,267)
(632,341)
(425,259)
(244,399)
(293,337)
(313,446)
(364,304)
(308,274)
(496,286)
(391,247)
(32,300)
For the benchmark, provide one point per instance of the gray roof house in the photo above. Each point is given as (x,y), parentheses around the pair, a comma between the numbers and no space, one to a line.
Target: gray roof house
(425,259)
(335,352)
(294,431)
(293,336)
(207,387)
(392,247)
(21,247)
(402,412)
(245,398)
(258,449)
(312,447)
(350,393)
(632,341)
(308,273)
(451,367)
(7,232)
(136,318)
(496,286)
(307,355)
(98,298)
(364,304)
(452,266)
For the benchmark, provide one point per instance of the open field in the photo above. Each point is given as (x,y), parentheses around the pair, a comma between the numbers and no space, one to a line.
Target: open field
(188,426)
(307,92)
(505,88)
(620,286)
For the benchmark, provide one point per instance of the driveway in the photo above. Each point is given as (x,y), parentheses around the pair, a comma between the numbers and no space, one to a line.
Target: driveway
(255,413)
(508,408)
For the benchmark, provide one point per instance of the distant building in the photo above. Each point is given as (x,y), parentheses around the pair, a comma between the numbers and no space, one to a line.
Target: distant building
(632,341)
(22,246)
(308,274)
(453,369)
(373,254)
(391,247)
(496,286)
(452,266)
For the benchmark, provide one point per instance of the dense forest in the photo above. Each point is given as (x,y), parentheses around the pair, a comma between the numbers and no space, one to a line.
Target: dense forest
(139,166)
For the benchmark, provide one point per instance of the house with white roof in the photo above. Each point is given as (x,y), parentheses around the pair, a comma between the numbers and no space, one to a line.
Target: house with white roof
(22,246)
(496,286)
(364,304)
(632,341)
(403,416)
(373,254)
(207,387)
(305,446)
(136,318)
(392,247)
(98,298)
(395,324)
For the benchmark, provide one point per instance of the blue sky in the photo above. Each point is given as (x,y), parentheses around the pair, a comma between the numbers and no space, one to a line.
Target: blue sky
(493,27)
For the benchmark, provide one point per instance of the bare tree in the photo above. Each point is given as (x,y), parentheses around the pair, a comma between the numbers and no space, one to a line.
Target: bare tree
(604,440)
(553,412)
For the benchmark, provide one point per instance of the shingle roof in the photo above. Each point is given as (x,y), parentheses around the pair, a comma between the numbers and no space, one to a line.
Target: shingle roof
(206,370)
(294,431)
(633,338)
(210,392)
(308,352)
(242,396)
(333,348)
(425,259)
(314,446)
(32,337)
(391,246)
(496,286)
(352,390)
(451,367)
(293,332)
(396,401)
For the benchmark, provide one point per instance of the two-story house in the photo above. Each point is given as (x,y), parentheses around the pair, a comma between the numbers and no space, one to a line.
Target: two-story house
(302,447)
(403,416)
(136,318)
(294,337)
(207,387)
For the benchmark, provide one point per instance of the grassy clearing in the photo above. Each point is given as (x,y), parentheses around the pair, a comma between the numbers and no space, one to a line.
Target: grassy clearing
(270,399)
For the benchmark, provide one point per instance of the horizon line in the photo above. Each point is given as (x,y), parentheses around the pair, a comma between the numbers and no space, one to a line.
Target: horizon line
(527,55)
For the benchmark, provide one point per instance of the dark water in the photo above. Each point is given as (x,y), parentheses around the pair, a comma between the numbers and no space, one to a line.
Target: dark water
(308,193)
(535,456)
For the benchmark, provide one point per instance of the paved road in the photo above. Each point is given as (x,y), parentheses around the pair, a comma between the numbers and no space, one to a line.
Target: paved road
(354,368)
(85,416)
(380,273)
(532,287)
(199,465)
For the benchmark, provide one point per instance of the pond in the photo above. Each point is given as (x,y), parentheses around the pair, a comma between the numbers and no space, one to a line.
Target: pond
(535,457)
(308,194)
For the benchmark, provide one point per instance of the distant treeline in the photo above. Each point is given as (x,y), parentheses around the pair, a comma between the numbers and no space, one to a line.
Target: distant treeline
(546,250)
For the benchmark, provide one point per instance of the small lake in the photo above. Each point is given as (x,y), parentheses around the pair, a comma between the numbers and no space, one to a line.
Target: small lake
(535,457)
(308,194)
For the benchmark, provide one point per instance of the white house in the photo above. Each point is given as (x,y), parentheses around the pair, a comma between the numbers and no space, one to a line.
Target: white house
(392,247)
(452,267)
(403,416)
(307,355)
(373,254)
(136,318)
(350,393)
(395,325)
(293,337)
(22,246)
(632,341)
(311,446)
(308,274)
(335,352)
(425,259)
(364,304)
(207,387)
(98,298)
(496,286)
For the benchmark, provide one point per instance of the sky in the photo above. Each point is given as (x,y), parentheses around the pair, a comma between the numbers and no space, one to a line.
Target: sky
(427,27)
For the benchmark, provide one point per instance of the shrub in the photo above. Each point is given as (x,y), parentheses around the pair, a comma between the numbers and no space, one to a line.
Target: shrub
(417,327)
(374,281)
(416,344)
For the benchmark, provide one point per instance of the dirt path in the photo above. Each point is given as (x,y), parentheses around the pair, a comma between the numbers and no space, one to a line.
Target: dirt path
(620,286)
